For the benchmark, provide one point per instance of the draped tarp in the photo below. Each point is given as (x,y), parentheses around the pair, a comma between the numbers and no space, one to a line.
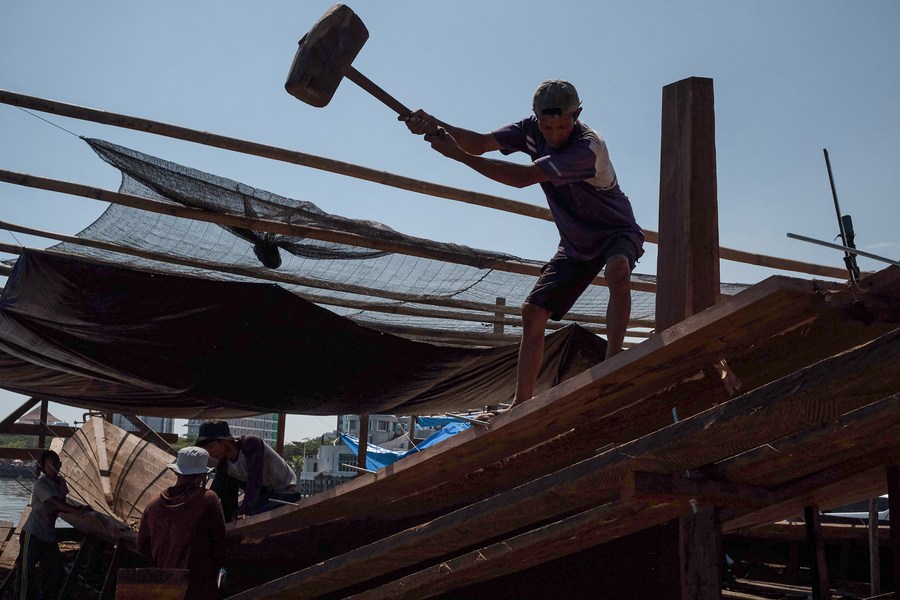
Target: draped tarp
(378,457)
(117,339)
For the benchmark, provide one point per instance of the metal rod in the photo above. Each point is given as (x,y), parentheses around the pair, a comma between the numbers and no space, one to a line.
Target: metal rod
(849,259)
(360,469)
(470,420)
(803,238)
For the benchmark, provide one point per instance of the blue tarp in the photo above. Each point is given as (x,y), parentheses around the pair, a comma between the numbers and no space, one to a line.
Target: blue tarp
(378,457)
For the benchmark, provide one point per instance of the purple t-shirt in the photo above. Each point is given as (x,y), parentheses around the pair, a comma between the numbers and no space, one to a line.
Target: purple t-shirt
(584,197)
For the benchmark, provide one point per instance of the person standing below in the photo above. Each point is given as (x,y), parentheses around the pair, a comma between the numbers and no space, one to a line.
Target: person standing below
(250,464)
(37,542)
(184,528)
(595,220)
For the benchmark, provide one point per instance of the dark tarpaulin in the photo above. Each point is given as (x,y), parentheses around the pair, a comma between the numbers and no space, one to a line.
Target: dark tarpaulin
(117,339)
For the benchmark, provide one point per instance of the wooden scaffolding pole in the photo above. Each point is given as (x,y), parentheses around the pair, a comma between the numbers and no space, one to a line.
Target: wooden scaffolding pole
(373,175)
(498,311)
(407,247)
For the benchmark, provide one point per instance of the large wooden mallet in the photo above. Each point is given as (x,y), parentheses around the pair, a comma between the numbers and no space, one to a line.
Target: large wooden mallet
(324,58)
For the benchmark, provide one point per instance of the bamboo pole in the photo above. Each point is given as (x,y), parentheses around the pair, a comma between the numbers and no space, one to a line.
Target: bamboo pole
(406,247)
(268,275)
(373,175)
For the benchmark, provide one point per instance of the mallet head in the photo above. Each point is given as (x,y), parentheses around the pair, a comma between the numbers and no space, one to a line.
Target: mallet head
(324,54)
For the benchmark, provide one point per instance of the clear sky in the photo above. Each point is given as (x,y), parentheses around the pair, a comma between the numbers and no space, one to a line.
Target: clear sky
(791,78)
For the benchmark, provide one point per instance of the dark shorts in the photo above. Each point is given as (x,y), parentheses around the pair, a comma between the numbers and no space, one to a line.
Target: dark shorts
(563,279)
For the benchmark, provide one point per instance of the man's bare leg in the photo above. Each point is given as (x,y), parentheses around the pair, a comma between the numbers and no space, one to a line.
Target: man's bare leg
(531,351)
(618,311)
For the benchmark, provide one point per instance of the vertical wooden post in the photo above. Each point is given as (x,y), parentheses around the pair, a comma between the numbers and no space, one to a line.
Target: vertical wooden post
(498,327)
(42,436)
(874,550)
(688,261)
(688,275)
(701,556)
(893,481)
(412,428)
(821,589)
(279,434)
(363,441)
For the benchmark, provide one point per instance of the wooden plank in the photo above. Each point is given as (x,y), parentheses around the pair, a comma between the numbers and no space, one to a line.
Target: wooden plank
(418,500)
(598,480)
(11,548)
(794,531)
(102,459)
(688,262)
(152,584)
(611,387)
(518,553)
(21,453)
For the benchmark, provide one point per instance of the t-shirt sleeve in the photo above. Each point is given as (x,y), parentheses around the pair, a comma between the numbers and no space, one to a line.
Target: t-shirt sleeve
(512,137)
(43,490)
(576,163)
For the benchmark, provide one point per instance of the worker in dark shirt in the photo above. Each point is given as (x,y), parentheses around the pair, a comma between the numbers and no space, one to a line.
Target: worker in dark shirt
(247,463)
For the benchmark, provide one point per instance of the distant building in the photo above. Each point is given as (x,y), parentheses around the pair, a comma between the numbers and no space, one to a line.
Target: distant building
(387,431)
(157,424)
(263,426)
(327,468)
(33,417)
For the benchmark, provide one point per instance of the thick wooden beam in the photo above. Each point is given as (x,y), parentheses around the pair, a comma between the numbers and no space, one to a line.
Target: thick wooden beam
(821,590)
(688,263)
(874,548)
(893,485)
(16,414)
(688,270)
(279,434)
(645,487)
(701,557)
(363,441)
(42,436)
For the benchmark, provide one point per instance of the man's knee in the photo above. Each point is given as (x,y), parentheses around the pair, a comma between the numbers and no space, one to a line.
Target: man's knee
(534,316)
(618,271)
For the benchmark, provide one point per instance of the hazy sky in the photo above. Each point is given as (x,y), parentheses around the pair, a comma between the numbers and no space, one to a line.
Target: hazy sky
(791,78)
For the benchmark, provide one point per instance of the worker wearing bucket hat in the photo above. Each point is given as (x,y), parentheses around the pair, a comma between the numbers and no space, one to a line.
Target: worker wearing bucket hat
(596,223)
(184,527)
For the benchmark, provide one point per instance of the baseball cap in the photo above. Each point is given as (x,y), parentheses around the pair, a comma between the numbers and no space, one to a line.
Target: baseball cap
(555,97)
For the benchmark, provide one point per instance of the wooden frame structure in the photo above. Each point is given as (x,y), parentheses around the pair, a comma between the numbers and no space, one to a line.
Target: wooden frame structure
(598,458)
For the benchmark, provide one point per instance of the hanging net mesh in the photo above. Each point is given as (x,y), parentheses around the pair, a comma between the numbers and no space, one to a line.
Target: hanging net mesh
(451,299)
